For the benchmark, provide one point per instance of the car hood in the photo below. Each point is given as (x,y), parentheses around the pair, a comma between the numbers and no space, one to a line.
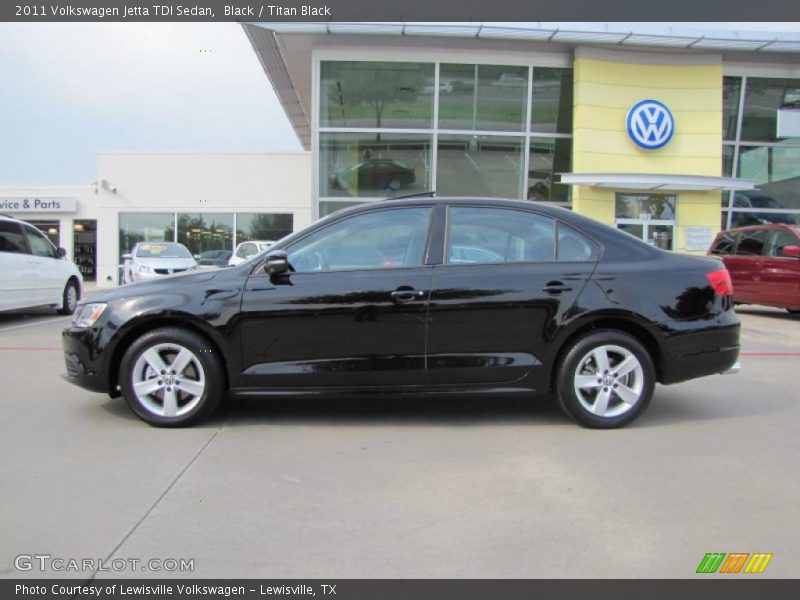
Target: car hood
(165,263)
(155,285)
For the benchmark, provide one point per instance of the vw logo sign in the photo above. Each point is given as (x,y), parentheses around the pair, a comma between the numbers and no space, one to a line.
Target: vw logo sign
(650,124)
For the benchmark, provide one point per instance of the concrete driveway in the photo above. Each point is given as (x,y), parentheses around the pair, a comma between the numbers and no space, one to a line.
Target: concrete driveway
(389,488)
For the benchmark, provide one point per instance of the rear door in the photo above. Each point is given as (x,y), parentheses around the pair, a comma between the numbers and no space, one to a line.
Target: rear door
(500,293)
(50,272)
(746,264)
(780,276)
(18,287)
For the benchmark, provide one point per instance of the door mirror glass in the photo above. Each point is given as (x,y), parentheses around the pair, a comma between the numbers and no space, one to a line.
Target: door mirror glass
(127,256)
(791,251)
(60,252)
(276,263)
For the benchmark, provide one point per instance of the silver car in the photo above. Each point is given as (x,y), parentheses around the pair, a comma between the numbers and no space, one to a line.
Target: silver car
(151,260)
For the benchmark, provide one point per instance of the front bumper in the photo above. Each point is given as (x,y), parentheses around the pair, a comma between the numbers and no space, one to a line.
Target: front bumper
(84,366)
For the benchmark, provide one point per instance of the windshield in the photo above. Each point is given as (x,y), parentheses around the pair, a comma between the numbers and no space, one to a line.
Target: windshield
(162,251)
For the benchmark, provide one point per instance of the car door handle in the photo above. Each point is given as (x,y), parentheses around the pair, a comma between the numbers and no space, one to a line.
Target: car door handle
(406,296)
(556,287)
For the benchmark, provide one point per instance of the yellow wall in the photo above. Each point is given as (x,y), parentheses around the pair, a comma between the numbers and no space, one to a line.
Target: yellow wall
(605,88)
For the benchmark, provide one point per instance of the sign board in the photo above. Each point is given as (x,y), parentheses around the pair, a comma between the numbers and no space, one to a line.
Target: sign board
(650,124)
(698,237)
(789,123)
(33,204)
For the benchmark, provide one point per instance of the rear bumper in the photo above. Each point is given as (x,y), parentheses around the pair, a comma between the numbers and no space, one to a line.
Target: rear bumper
(699,353)
(83,365)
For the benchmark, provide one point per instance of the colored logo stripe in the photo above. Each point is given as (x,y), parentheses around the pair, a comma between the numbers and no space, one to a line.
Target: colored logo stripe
(758,562)
(711,562)
(716,561)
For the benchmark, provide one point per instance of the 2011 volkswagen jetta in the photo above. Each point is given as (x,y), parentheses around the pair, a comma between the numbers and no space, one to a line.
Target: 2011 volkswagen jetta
(421,295)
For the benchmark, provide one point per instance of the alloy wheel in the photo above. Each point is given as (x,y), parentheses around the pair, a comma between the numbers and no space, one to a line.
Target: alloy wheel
(609,381)
(168,380)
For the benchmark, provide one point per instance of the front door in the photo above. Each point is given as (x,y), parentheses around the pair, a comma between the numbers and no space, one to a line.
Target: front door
(352,313)
(503,287)
(780,276)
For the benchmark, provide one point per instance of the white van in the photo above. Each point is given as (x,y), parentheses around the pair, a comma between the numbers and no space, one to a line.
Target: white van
(34,272)
(247,250)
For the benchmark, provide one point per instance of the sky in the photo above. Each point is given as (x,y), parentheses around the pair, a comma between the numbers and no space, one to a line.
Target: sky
(71,90)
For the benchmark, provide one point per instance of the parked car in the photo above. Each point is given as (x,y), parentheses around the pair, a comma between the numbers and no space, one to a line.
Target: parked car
(374,174)
(213,258)
(153,260)
(764,263)
(370,300)
(33,272)
(756,199)
(247,250)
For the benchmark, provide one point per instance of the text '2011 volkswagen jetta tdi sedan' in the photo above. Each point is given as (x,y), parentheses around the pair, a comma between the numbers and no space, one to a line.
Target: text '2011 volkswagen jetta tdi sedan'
(419,295)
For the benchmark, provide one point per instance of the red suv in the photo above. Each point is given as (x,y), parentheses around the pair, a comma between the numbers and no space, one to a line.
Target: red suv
(764,263)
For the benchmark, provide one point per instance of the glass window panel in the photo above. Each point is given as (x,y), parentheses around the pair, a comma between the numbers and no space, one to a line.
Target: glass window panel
(574,246)
(492,235)
(776,171)
(376,94)
(376,240)
(201,232)
(144,227)
(39,244)
(727,161)
(549,156)
(373,164)
(645,206)
(551,106)
(779,240)
(731,86)
(482,97)
(328,207)
(11,239)
(480,165)
(267,227)
(725,244)
(752,243)
(763,97)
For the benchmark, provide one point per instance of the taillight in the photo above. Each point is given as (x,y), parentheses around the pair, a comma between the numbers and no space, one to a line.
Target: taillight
(721,282)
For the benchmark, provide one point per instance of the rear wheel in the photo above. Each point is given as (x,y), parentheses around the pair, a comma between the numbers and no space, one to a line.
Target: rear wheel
(605,380)
(69,299)
(171,378)
(793,311)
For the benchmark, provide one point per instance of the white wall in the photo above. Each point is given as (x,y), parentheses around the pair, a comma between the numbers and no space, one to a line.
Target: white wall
(176,182)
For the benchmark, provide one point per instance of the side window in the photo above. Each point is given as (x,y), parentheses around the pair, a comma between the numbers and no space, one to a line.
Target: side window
(574,246)
(245,251)
(726,242)
(779,240)
(479,235)
(752,243)
(40,245)
(11,238)
(382,239)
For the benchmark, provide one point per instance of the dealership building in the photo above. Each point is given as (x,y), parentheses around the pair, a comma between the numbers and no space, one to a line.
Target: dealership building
(666,133)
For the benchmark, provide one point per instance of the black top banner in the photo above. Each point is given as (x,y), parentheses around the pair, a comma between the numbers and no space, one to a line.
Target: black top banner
(399,10)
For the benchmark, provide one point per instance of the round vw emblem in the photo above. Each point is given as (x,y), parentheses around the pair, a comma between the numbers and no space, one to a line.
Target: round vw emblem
(650,124)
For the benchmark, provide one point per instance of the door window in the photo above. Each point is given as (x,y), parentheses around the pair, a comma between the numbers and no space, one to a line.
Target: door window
(11,238)
(726,243)
(382,239)
(780,239)
(478,235)
(752,243)
(40,245)
(246,250)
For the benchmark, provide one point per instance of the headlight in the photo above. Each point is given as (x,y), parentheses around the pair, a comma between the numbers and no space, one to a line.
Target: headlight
(144,269)
(87,314)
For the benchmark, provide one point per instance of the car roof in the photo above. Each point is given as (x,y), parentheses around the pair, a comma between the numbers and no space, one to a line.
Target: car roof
(764,226)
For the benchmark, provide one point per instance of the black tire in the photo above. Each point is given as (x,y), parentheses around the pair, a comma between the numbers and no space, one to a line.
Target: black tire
(69,298)
(793,311)
(642,379)
(210,371)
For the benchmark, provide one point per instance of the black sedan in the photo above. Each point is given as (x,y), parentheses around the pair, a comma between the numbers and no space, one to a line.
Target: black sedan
(418,296)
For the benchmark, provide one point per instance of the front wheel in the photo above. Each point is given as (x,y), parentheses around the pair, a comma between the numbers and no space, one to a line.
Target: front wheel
(605,380)
(69,298)
(793,311)
(171,377)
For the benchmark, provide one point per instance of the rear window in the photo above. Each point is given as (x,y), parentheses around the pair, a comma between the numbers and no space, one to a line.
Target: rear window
(11,239)
(162,251)
(726,242)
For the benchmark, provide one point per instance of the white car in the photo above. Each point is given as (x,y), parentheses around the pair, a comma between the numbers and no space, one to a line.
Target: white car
(152,260)
(247,250)
(33,272)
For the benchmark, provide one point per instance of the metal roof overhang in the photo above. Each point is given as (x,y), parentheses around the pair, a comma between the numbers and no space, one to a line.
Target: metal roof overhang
(656,182)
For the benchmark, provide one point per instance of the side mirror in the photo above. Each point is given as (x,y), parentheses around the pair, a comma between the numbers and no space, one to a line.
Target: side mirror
(276,263)
(127,256)
(791,251)
(60,252)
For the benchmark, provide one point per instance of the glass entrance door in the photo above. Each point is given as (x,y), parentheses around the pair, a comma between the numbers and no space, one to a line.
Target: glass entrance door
(650,217)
